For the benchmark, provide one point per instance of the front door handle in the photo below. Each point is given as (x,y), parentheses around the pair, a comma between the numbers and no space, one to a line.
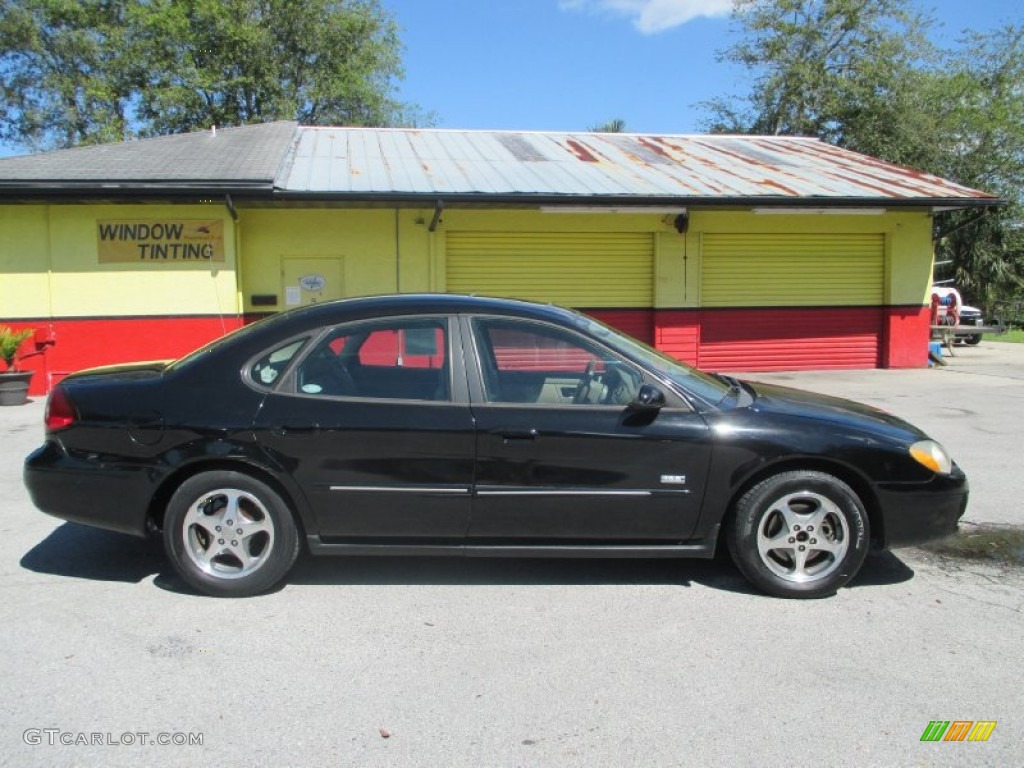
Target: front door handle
(283,430)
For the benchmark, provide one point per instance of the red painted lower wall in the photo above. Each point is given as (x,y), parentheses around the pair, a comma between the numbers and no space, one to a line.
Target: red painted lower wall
(798,338)
(88,342)
(781,339)
(677,332)
(907,333)
(795,338)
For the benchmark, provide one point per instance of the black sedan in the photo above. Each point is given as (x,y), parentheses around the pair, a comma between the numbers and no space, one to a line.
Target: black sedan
(440,424)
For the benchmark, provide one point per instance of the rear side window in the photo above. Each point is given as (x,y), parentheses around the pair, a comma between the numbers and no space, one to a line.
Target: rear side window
(399,359)
(404,348)
(265,372)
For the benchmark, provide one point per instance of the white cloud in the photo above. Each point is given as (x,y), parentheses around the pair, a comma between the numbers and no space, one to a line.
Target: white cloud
(653,16)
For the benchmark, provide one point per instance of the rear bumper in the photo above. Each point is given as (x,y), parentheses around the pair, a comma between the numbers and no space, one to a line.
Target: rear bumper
(914,513)
(89,491)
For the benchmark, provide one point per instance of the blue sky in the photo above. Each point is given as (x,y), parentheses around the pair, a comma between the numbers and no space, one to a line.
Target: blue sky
(570,64)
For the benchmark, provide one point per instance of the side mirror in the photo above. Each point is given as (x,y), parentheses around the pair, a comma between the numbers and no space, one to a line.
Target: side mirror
(648,398)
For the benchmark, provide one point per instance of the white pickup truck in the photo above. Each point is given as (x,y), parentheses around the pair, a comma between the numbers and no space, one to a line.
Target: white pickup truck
(950,310)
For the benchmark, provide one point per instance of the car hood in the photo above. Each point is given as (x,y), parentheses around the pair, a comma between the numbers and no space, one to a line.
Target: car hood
(846,414)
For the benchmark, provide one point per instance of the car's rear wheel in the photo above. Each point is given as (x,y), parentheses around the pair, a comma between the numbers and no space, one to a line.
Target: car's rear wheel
(230,535)
(799,534)
(973,339)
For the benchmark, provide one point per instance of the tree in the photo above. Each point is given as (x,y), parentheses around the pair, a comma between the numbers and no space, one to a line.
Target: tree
(983,147)
(63,74)
(817,63)
(615,125)
(230,62)
(861,74)
(87,71)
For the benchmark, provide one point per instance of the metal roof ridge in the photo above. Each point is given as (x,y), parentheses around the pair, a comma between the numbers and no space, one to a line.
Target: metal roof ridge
(510,131)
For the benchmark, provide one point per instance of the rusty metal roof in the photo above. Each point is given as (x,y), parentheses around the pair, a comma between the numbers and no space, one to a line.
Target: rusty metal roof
(375,163)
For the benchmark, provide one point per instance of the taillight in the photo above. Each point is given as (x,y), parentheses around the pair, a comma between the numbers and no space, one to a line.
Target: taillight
(59,411)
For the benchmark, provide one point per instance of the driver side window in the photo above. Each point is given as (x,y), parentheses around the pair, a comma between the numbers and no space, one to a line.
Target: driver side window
(531,363)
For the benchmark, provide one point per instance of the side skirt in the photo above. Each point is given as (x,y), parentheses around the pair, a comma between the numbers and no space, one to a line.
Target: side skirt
(704,549)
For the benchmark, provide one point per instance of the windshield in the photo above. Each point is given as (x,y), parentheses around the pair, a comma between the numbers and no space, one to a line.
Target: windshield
(708,388)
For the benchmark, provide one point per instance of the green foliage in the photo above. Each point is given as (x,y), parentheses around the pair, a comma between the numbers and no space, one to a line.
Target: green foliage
(230,62)
(90,71)
(861,74)
(818,62)
(10,342)
(984,148)
(616,125)
(64,81)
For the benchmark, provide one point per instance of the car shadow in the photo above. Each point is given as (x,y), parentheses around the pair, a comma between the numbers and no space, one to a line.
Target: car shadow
(881,568)
(515,571)
(80,552)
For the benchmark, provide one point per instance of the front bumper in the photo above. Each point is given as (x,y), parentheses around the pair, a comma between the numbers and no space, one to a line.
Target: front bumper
(89,491)
(915,513)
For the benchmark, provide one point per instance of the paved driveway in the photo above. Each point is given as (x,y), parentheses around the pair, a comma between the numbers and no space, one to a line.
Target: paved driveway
(431,662)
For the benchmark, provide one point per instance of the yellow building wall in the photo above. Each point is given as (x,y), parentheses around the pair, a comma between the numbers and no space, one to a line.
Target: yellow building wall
(24,261)
(668,243)
(908,245)
(49,257)
(363,240)
(49,263)
(383,250)
(387,250)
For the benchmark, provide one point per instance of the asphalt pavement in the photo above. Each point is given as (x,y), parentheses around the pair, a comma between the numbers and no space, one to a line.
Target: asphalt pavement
(452,662)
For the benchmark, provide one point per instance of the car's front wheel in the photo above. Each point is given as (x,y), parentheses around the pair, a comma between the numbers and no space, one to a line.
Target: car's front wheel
(229,535)
(799,534)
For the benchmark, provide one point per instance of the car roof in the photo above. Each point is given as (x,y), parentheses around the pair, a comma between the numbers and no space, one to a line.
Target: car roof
(303,319)
(342,310)
(249,339)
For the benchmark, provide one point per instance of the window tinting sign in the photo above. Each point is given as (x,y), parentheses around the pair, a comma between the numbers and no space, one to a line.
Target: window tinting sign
(160,240)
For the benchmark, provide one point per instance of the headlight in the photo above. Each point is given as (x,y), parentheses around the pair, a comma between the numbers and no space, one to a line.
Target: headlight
(932,455)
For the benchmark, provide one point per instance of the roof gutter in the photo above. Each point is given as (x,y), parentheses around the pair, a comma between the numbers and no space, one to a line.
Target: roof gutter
(264,191)
(625,202)
(132,190)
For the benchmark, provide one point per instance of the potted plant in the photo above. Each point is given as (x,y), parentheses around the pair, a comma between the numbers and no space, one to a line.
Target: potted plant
(13,382)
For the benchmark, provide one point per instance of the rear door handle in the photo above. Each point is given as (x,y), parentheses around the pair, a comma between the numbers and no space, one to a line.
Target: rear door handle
(509,435)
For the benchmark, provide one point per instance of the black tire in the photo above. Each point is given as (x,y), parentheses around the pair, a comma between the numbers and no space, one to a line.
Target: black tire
(799,534)
(973,339)
(260,541)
